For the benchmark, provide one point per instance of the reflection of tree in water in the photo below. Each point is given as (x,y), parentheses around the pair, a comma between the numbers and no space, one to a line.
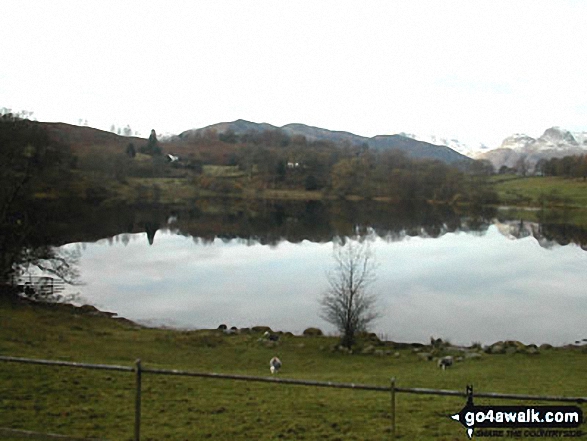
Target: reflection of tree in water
(28,248)
(564,234)
(151,228)
(552,228)
(556,225)
(270,222)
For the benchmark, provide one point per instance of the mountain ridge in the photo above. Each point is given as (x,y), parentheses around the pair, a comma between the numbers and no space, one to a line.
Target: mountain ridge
(412,147)
(555,142)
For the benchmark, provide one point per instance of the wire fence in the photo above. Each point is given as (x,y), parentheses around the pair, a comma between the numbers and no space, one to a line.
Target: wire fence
(139,370)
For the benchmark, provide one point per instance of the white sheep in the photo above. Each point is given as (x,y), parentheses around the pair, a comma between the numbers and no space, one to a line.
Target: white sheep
(445,362)
(270,337)
(274,365)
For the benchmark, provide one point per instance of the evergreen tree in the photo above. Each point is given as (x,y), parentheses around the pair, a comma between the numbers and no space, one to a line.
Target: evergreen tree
(152,147)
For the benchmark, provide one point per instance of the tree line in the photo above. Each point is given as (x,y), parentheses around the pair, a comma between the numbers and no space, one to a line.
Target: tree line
(274,160)
(574,166)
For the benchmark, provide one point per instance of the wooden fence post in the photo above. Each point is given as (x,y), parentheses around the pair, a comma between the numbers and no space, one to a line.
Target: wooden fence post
(393,408)
(138,401)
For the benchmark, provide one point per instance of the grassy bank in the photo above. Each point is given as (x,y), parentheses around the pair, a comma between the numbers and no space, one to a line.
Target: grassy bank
(172,190)
(540,191)
(100,403)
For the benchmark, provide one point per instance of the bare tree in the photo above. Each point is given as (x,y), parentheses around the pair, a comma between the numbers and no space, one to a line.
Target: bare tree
(60,263)
(347,303)
(28,157)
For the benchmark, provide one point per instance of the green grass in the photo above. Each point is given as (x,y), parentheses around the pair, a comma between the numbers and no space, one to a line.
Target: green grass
(92,403)
(178,190)
(528,191)
(223,171)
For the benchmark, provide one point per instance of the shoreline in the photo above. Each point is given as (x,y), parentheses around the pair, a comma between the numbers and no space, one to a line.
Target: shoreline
(498,347)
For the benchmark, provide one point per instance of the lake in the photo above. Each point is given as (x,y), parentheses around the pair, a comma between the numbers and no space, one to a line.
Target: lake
(466,277)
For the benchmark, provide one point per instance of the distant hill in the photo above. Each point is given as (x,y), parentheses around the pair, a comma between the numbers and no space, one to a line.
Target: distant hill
(472,150)
(80,136)
(554,143)
(412,147)
(417,149)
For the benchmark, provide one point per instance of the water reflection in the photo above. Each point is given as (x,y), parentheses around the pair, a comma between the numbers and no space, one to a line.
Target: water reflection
(267,222)
(465,276)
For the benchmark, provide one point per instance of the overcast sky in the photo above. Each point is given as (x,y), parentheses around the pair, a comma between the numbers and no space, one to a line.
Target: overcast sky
(477,71)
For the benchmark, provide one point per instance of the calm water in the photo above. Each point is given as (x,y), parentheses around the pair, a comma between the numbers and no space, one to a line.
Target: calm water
(493,281)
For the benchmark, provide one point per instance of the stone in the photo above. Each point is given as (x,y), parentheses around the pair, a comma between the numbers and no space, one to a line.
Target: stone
(261,329)
(426,356)
(369,349)
(344,349)
(92,310)
(88,309)
(312,332)
(515,344)
(372,336)
(473,356)
(497,348)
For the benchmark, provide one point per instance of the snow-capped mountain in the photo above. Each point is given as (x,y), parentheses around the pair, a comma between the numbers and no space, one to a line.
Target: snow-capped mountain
(517,141)
(471,150)
(554,138)
(555,142)
(581,138)
(521,229)
(164,137)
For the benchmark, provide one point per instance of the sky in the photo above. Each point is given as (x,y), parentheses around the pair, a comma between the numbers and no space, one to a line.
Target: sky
(464,287)
(477,71)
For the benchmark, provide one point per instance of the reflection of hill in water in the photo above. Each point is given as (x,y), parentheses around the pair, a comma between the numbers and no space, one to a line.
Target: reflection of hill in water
(270,222)
(546,234)
(519,229)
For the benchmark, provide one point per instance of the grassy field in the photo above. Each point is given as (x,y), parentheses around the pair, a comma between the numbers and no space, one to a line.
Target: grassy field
(224,181)
(99,404)
(178,190)
(537,191)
